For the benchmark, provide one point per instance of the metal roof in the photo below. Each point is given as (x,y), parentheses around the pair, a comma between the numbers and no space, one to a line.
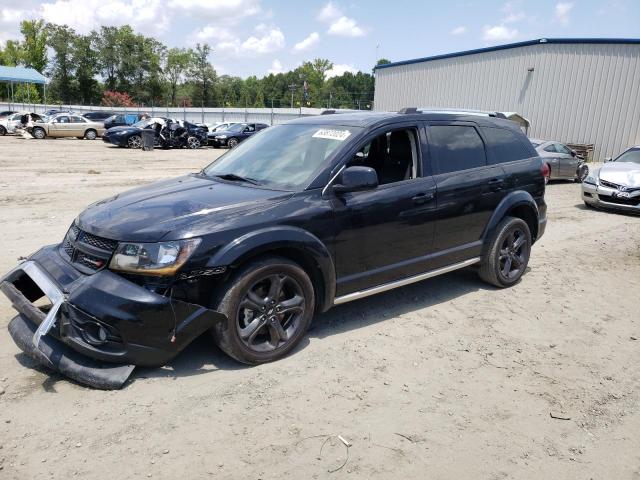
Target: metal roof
(21,75)
(514,45)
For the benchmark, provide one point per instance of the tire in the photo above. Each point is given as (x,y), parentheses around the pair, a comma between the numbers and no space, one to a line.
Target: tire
(508,256)
(581,174)
(90,134)
(38,133)
(233,142)
(134,141)
(255,332)
(193,143)
(3,131)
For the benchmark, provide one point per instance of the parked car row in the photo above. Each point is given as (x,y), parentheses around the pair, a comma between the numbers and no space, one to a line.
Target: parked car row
(167,133)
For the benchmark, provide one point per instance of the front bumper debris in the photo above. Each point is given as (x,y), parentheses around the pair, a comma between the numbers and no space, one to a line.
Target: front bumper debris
(98,326)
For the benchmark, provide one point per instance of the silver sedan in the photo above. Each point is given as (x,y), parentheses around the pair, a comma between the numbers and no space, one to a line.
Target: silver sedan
(615,185)
(564,163)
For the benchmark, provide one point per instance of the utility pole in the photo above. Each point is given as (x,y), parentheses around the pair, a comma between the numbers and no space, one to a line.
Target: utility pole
(292,87)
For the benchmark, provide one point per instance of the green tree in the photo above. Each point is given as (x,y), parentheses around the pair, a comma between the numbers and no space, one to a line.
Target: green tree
(12,54)
(35,44)
(105,43)
(177,65)
(85,59)
(61,41)
(202,74)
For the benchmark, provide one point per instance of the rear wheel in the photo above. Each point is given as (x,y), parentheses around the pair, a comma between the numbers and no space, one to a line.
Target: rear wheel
(269,305)
(90,134)
(508,254)
(193,143)
(582,172)
(134,141)
(3,131)
(38,133)
(233,142)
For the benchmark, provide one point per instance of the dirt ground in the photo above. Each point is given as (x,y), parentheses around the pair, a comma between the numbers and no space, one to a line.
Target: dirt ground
(447,378)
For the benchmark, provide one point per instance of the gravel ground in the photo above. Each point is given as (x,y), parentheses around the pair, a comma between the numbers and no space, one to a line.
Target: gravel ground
(447,378)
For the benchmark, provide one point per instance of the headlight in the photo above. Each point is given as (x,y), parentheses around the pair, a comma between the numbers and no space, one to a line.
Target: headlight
(592,178)
(221,137)
(164,258)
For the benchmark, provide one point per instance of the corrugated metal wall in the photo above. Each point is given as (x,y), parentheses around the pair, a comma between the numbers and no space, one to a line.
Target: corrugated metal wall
(577,93)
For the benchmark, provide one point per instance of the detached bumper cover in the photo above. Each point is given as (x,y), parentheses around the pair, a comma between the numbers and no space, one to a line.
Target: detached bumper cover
(102,316)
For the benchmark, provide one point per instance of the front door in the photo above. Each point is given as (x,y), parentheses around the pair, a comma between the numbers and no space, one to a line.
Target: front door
(385,233)
(568,162)
(60,126)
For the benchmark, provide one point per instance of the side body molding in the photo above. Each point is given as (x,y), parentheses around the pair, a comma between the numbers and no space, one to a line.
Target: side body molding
(282,237)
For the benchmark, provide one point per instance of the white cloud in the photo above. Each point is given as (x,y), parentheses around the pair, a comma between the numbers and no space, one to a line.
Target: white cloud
(346,27)
(339,24)
(223,11)
(562,11)
(340,69)
(276,67)
(514,17)
(85,15)
(498,33)
(307,43)
(270,40)
(10,15)
(329,13)
(266,40)
(459,30)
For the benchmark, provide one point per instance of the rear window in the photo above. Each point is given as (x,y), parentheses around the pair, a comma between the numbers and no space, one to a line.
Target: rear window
(504,145)
(454,148)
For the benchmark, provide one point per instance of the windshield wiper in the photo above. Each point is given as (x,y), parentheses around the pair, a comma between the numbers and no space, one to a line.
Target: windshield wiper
(237,178)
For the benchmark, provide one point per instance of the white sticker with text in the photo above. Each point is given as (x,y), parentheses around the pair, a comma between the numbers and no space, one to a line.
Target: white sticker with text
(340,135)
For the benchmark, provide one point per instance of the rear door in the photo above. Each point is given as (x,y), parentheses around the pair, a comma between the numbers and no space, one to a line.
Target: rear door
(552,157)
(468,189)
(78,126)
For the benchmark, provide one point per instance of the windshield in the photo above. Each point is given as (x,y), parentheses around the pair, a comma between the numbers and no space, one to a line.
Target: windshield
(632,156)
(236,127)
(282,157)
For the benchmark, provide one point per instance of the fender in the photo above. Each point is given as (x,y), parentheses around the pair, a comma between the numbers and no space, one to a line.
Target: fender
(512,200)
(281,236)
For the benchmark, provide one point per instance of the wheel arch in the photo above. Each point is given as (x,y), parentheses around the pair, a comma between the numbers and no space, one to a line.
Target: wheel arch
(518,204)
(289,242)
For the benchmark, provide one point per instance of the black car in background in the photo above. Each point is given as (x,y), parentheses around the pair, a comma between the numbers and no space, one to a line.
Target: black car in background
(6,113)
(97,116)
(55,111)
(131,136)
(122,120)
(313,213)
(235,134)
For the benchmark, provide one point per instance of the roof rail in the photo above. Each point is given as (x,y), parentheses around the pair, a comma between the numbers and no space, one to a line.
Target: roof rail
(407,110)
(462,111)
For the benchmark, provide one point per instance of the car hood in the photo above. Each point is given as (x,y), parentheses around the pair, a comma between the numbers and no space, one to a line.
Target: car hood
(123,128)
(621,173)
(171,209)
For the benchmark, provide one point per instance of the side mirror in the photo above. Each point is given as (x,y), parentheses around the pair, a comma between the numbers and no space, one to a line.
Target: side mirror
(355,179)
(573,153)
(607,159)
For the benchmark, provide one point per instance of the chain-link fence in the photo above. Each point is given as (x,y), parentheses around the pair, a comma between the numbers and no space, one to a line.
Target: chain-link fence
(270,116)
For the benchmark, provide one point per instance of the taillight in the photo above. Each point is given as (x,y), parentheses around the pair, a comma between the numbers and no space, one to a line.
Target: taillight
(546,170)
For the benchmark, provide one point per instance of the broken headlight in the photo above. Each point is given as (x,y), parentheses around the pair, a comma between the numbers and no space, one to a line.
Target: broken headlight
(162,259)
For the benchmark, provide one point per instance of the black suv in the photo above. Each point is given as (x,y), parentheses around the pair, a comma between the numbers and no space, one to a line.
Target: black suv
(303,216)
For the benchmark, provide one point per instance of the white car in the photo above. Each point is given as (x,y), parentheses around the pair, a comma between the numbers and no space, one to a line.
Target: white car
(9,123)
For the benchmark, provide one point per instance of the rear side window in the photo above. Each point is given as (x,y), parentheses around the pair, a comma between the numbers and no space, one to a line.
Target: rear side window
(454,148)
(505,146)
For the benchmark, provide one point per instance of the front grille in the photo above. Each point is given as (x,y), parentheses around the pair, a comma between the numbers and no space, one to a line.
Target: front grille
(604,183)
(87,252)
(632,202)
(98,242)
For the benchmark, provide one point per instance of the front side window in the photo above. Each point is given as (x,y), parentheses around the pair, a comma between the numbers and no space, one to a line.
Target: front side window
(62,119)
(77,120)
(284,157)
(393,155)
(454,148)
(551,148)
(505,145)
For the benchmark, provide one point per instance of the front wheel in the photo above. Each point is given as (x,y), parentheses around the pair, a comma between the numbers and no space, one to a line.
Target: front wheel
(38,133)
(582,172)
(3,131)
(509,249)
(134,141)
(269,305)
(233,142)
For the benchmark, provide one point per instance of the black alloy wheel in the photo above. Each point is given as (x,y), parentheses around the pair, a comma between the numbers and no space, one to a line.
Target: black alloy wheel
(233,142)
(514,253)
(134,141)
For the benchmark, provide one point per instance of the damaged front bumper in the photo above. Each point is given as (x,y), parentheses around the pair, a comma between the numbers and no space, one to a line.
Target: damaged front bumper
(97,327)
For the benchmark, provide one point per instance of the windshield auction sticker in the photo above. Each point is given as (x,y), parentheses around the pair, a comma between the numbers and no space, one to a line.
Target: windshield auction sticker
(339,135)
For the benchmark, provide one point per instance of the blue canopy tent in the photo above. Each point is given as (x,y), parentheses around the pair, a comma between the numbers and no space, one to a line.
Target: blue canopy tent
(23,75)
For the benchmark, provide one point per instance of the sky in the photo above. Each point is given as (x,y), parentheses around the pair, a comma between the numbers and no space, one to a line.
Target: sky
(258,37)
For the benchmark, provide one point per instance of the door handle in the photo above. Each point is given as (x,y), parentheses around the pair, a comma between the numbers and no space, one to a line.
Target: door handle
(422,198)
(495,184)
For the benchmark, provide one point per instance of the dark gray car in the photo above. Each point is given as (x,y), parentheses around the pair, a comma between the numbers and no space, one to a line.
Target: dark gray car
(564,163)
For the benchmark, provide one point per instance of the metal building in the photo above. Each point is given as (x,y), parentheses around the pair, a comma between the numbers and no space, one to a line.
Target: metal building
(583,91)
